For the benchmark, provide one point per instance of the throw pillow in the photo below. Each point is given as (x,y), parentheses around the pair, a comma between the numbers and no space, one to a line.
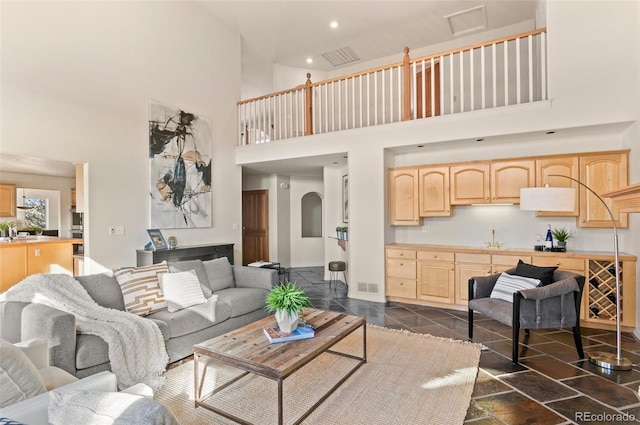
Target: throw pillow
(545,274)
(98,407)
(220,273)
(19,378)
(141,289)
(181,290)
(507,284)
(198,267)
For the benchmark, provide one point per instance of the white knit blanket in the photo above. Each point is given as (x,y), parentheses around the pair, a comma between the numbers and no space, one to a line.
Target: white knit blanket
(136,347)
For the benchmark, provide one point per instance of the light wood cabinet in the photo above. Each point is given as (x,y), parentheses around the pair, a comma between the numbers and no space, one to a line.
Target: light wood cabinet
(602,173)
(7,200)
(401,273)
(468,266)
(403,197)
(470,184)
(73,197)
(563,166)
(433,192)
(13,266)
(436,273)
(508,177)
(438,276)
(498,182)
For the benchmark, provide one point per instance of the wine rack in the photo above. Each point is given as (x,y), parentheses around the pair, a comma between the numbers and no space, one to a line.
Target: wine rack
(602,290)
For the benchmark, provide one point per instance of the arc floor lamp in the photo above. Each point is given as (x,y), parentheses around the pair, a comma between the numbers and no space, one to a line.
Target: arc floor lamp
(563,199)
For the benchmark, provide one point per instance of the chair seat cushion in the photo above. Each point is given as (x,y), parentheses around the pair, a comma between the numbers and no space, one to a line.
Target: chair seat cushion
(91,350)
(495,308)
(507,284)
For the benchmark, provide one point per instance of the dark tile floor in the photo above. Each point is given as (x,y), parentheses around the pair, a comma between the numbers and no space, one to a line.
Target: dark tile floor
(550,386)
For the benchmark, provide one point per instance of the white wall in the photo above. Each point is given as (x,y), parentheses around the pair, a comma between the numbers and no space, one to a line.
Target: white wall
(76,81)
(333,216)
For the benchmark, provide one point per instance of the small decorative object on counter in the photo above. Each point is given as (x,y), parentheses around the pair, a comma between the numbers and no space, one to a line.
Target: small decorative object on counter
(561,235)
(548,244)
(173,242)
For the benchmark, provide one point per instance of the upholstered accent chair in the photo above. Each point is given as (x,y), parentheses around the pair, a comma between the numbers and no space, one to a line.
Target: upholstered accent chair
(554,305)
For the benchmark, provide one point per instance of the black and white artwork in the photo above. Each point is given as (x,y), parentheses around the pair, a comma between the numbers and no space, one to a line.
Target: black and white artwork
(345,198)
(179,168)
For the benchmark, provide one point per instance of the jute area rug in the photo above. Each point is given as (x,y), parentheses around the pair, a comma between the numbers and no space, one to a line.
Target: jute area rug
(408,379)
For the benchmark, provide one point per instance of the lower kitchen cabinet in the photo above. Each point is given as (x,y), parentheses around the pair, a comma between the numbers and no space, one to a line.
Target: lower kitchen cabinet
(468,266)
(436,274)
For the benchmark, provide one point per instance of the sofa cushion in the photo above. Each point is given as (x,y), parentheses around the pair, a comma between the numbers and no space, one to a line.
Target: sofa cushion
(181,290)
(104,289)
(242,300)
(196,266)
(141,289)
(19,378)
(507,285)
(91,350)
(545,274)
(220,273)
(193,319)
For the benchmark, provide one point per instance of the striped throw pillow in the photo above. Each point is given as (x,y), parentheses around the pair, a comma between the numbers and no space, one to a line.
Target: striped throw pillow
(508,284)
(141,289)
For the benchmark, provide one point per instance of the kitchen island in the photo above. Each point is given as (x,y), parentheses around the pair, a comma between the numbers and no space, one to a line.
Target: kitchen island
(22,257)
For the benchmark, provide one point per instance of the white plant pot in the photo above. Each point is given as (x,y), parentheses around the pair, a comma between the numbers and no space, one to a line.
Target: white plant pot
(287,322)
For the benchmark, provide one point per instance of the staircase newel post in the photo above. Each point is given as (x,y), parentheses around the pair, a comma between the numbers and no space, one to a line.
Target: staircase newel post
(308,107)
(406,86)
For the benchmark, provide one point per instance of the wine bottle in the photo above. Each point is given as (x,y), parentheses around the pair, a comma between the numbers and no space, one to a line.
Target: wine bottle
(548,244)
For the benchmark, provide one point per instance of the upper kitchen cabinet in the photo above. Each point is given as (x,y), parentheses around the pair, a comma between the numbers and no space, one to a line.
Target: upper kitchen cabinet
(470,184)
(403,197)
(7,200)
(508,177)
(563,166)
(602,173)
(433,189)
(498,182)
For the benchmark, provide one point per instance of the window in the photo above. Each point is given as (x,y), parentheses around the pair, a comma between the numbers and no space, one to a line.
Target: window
(36,215)
(311,215)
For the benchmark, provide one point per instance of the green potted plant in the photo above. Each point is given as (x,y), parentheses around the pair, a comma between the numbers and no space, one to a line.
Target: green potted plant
(287,300)
(561,235)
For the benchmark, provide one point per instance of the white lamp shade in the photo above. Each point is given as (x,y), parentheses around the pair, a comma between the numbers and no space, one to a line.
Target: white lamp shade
(547,198)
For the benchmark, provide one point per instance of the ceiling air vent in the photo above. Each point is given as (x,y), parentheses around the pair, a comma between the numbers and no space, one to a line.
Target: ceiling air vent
(341,56)
(468,21)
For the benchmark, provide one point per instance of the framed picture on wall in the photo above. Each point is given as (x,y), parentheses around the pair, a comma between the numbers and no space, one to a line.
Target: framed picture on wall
(345,198)
(157,240)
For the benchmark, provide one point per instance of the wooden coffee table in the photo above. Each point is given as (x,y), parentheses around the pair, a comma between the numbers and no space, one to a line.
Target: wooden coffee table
(247,349)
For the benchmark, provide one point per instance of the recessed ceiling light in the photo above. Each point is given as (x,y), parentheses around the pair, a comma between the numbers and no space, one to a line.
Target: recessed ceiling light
(333,24)
(309,60)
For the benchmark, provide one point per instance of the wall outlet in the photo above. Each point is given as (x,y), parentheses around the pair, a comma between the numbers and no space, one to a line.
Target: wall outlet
(112,230)
(426,228)
(119,230)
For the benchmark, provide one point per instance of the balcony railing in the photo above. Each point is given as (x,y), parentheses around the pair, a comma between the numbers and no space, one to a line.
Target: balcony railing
(503,72)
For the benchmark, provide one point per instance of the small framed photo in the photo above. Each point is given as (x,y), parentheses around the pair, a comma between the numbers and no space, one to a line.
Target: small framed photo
(157,240)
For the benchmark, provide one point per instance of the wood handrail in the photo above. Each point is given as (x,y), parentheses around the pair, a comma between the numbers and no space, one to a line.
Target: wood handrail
(357,74)
(478,45)
(266,96)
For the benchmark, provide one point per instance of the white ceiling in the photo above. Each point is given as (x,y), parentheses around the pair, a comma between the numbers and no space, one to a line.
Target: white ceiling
(288,32)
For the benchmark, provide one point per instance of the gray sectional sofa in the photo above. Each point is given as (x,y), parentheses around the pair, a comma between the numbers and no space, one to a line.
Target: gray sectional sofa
(241,295)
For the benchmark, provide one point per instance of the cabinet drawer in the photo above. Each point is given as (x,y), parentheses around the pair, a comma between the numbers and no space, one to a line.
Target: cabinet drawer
(473,258)
(562,263)
(403,288)
(401,268)
(401,253)
(510,260)
(435,255)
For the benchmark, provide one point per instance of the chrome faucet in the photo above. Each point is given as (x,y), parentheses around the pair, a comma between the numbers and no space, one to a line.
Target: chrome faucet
(493,244)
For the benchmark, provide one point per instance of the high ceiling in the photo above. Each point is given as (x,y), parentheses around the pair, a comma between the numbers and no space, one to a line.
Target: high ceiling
(288,32)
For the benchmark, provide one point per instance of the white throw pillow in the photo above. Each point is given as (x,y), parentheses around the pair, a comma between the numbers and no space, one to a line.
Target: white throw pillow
(181,290)
(140,288)
(102,408)
(507,284)
(19,378)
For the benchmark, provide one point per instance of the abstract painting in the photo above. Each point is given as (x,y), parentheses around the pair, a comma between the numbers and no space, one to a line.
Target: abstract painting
(179,168)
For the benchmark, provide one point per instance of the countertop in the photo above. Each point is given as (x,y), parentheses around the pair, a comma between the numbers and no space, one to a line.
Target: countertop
(515,251)
(30,240)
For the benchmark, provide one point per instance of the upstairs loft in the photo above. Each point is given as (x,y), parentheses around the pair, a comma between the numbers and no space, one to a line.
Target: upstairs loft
(498,73)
